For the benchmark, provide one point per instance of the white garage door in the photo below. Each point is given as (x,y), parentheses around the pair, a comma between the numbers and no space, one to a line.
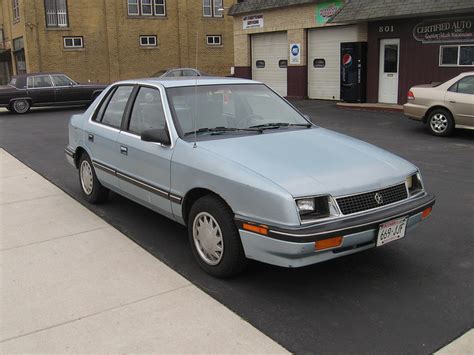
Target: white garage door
(269,60)
(324,45)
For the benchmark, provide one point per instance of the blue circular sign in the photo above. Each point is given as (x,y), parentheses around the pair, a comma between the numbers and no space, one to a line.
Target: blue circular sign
(295,50)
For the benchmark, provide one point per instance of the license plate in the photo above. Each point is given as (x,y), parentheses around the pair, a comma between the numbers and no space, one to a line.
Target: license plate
(391,230)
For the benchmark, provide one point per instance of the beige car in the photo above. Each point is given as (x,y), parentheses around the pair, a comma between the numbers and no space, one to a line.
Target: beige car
(443,107)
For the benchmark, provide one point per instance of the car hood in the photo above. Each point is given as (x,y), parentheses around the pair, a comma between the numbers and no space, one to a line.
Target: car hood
(314,161)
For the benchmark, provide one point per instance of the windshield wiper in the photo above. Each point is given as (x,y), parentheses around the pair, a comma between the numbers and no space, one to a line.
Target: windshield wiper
(222,130)
(276,125)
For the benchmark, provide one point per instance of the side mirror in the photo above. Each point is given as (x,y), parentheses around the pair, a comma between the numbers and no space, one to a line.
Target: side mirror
(156,136)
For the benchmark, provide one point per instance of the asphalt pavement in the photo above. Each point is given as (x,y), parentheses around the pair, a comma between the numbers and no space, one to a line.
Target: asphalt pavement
(412,296)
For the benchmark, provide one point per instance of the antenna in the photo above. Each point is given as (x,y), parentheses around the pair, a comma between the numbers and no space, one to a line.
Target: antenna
(196,91)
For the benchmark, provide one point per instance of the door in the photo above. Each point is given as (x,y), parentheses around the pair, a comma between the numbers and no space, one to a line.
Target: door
(324,62)
(388,70)
(67,90)
(102,132)
(41,90)
(144,167)
(270,59)
(460,100)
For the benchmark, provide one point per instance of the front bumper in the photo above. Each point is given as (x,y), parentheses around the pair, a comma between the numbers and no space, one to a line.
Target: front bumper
(296,247)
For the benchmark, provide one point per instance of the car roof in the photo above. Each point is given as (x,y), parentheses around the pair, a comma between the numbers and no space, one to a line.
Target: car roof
(32,74)
(190,81)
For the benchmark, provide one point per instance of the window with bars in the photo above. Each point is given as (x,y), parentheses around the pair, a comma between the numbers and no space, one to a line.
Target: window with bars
(16,10)
(56,13)
(212,8)
(146,7)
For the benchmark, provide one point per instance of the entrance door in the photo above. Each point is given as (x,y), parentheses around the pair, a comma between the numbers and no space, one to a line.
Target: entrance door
(388,70)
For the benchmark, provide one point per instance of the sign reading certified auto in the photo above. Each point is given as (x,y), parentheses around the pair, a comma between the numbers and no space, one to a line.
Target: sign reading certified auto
(325,10)
(295,53)
(445,30)
(252,21)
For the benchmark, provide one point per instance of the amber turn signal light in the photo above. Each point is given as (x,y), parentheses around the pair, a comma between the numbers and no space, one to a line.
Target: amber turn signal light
(256,229)
(426,212)
(328,243)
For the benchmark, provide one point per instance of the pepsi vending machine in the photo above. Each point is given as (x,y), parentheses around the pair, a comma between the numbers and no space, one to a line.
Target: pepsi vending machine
(353,71)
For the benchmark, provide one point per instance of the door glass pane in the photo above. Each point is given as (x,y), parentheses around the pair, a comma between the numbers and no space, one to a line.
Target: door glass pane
(147,111)
(114,111)
(61,80)
(466,55)
(466,85)
(390,58)
(449,55)
(42,81)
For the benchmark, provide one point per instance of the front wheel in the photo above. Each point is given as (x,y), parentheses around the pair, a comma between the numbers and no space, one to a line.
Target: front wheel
(440,122)
(92,189)
(20,106)
(214,238)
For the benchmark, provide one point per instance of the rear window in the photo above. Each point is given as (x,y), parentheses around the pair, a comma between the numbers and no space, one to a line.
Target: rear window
(13,82)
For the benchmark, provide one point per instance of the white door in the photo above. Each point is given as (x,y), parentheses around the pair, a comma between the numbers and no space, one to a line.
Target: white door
(388,70)
(269,60)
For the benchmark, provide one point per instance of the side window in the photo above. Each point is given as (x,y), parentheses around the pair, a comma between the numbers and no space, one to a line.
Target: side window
(174,74)
(42,81)
(147,112)
(61,80)
(189,73)
(466,85)
(30,82)
(114,111)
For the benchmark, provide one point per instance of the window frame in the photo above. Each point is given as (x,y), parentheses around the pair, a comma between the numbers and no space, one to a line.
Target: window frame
(213,7)
(61,86)
(32,78)
(73,47)
(16,10)
(105,103)
(458,55)
(56,15)
(154,4)
(455,87)
(220,44)
(148,45)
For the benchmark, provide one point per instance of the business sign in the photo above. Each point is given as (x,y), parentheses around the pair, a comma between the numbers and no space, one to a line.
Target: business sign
(295,53)
(326,10)
(252,21)
(445,30)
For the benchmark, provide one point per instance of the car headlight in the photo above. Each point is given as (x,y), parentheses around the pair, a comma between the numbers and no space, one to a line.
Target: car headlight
(414,184)
(316,207)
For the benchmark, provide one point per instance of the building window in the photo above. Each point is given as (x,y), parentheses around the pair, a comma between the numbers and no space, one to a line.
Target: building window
(260,64)
(212,8)
(16,10)
(73,42)
(454,56)
(283,63)
(148,41)
(146,7)
(56,13)
(214,40)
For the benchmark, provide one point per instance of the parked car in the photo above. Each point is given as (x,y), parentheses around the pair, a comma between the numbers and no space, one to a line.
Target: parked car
(443,107)
(245,171)
(178,72)
(45,89)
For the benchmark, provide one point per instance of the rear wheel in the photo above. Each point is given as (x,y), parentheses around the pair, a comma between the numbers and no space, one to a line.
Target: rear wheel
(440,122)
(92,189)
(214,238)
(20,106)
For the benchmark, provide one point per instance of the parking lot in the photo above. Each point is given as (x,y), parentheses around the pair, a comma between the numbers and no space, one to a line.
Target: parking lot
(412,296)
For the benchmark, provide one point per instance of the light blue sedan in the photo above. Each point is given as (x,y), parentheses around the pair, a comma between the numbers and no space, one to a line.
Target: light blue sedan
(248,174)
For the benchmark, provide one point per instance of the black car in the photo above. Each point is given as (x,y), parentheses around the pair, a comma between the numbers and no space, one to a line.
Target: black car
(45,89)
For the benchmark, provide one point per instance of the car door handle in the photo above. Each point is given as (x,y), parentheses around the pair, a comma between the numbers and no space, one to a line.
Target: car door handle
(123,150)
(452,101)
(90,137)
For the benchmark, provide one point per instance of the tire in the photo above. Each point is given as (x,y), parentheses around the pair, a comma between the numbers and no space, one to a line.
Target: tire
(211,215)
(20,106)
(91,188)
(440,122)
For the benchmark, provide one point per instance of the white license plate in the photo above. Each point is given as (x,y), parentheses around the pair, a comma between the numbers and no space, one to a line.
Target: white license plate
(391,230)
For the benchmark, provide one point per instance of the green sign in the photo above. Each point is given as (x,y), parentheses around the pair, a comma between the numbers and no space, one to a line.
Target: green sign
(327,9)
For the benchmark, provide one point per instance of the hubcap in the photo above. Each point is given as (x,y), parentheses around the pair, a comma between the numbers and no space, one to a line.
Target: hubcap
(21,106)
(439,123)
(207,237)
(87,179)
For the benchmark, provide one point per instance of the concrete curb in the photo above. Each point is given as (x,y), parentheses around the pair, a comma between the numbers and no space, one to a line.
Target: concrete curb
(371,107)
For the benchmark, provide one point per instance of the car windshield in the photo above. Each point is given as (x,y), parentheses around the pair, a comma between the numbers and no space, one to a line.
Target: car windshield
(232,109)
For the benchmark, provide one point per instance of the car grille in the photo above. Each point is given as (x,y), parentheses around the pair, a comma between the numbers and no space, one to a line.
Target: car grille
(367,201)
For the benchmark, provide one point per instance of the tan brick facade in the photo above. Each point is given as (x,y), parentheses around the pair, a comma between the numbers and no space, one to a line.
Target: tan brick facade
(111,39)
